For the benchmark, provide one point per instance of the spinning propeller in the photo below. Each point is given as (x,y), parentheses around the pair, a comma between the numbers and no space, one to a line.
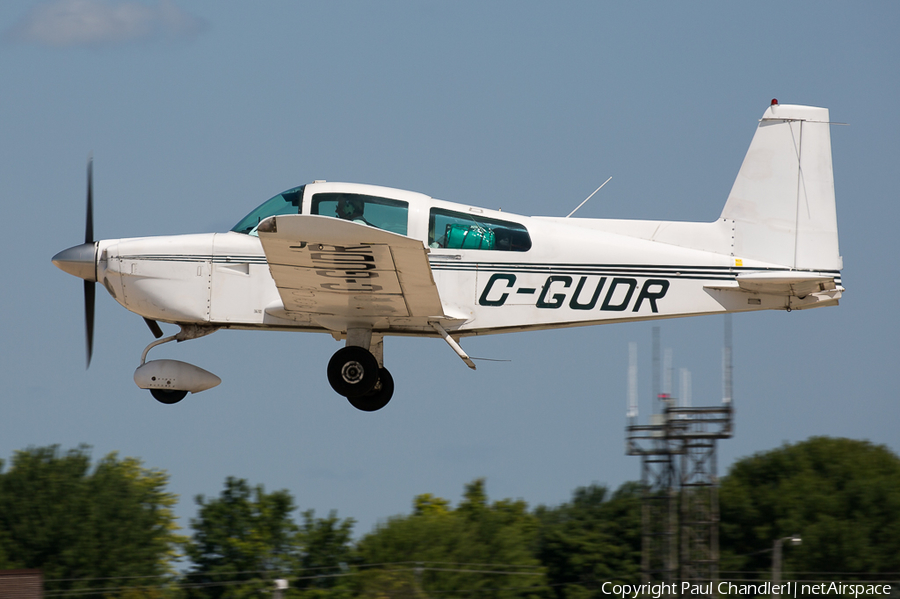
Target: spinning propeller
(90,286)
(81,261)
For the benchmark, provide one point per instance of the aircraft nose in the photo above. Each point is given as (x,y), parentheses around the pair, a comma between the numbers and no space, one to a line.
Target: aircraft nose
(79,261)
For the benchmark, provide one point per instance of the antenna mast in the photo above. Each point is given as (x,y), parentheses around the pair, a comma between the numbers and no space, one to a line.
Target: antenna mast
(632,412)
(587,198)
(685,399)
(726,364)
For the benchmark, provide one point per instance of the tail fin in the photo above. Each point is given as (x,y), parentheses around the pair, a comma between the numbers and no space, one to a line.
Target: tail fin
(782,203)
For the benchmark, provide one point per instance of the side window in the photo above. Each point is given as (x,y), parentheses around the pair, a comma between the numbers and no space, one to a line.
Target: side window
(382,213)
(466,231)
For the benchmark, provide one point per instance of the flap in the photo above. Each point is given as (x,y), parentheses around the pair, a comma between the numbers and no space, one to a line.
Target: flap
(331,267)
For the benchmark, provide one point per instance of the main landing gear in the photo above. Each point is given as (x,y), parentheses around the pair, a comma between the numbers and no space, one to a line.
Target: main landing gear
(357,373)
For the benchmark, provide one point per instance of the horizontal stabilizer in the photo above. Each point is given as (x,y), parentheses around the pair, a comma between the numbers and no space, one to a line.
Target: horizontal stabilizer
(798,284)
(789,283)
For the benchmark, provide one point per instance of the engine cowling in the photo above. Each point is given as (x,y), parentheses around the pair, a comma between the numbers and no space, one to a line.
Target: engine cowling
(175,376)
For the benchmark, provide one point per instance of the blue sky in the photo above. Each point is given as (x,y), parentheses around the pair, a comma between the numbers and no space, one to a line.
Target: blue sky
(198,111)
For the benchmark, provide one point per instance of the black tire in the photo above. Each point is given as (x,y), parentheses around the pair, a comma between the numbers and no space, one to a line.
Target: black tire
(168,396)
(379,396)
(353,371)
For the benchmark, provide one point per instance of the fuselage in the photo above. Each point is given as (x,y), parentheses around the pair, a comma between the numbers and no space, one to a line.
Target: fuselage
(531,273)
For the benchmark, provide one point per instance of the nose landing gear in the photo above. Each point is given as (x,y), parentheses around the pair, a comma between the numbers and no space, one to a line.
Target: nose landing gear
(169,381)
(167,396)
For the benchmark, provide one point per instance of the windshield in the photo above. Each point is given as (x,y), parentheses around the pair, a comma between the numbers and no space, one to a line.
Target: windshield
(287,202)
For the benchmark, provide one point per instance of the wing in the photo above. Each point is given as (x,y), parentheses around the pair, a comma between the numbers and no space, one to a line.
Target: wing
(343,271)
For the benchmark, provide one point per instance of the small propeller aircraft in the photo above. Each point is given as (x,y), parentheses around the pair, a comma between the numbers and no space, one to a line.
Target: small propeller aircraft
(363,262)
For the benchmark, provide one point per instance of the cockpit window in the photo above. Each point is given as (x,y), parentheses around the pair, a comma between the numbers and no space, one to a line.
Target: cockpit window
(382,213)
(466,231)
(287,202)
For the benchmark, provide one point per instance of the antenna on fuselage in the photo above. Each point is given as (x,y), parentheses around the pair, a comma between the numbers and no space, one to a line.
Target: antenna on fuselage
(587,198)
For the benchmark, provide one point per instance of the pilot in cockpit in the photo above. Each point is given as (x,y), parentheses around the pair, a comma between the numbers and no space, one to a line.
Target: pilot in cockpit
(351,208)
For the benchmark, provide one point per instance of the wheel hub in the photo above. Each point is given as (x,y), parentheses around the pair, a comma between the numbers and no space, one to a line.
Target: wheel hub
(352,372)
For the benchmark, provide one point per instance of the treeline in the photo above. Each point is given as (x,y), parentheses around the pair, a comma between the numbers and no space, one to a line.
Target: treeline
(109,531)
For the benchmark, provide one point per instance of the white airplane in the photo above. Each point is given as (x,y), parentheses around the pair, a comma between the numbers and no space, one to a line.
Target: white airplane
(363,262)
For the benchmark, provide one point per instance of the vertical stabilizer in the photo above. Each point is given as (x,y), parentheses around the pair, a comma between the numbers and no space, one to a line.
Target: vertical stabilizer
(782,203)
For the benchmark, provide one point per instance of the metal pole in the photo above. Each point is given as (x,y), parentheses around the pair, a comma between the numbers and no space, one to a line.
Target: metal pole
(281,584)
(776,560)
(776,566)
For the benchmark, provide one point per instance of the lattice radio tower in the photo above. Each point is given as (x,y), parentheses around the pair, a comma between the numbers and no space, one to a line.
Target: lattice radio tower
(680,503)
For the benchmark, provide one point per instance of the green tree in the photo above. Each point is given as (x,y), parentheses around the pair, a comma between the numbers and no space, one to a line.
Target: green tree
(592,539)
(110,528)
(842,496)
(441,548)
(242,541)
(326,550)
